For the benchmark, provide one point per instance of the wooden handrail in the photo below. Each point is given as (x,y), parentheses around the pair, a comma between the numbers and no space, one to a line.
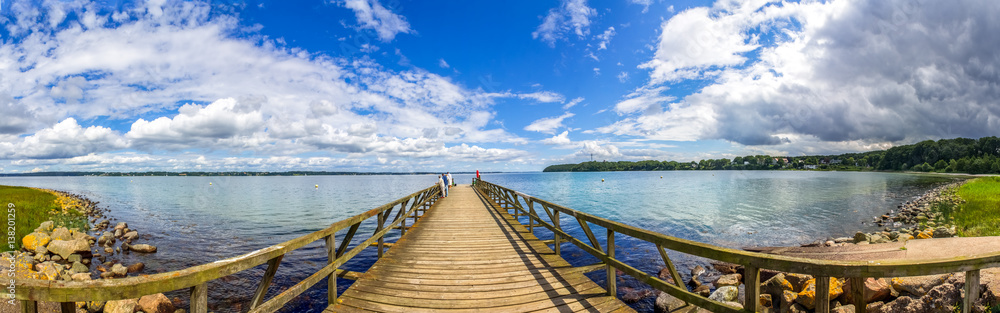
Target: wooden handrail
(506,198)
(29,291)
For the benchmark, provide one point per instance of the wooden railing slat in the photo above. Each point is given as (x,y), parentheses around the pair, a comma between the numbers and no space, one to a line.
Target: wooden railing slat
(265,282)
(29,306)
(347,239)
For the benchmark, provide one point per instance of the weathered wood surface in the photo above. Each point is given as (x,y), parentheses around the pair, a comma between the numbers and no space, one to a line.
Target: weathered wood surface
(465,255)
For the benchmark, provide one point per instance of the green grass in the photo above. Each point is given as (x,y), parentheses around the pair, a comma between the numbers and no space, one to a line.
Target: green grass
(980,214)
(31,208)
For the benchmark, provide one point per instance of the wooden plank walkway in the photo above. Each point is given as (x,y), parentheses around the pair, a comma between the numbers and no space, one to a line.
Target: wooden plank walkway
(467,255)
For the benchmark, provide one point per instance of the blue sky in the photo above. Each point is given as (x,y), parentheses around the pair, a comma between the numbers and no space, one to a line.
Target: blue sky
(374,85)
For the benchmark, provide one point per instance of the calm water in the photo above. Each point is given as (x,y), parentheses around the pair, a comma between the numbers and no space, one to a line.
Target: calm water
(195,220)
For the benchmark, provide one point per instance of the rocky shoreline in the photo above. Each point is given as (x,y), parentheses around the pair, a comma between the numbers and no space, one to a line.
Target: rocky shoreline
(55,252)
(920,218)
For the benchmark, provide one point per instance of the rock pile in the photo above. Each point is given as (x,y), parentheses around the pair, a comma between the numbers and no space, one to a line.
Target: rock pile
(917,219)
(60,253)
(790,292)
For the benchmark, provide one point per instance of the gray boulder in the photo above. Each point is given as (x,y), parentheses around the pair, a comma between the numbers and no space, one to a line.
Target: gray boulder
(143,248)
(65,248)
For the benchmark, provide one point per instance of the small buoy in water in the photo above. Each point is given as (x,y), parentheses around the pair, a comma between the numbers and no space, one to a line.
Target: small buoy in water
(661,177)
(209,184)
(602,180)
(317,186)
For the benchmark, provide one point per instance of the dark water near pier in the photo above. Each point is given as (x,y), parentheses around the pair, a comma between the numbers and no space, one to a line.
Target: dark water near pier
(197,220)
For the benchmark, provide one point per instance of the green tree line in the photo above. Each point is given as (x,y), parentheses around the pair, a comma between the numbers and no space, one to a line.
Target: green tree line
(959,155)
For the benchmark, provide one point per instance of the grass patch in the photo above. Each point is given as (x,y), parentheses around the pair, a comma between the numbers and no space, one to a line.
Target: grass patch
(980,214)
(32,207)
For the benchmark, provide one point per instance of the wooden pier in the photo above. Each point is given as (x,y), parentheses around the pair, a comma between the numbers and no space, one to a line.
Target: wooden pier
(468,254)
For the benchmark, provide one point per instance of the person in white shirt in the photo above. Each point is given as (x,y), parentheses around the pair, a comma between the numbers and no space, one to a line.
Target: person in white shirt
(451,180)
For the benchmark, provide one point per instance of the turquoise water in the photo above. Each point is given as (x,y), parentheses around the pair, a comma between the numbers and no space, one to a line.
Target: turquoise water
(195,220)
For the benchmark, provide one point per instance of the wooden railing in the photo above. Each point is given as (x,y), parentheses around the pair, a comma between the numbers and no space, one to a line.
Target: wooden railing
(29,291)
(823,270)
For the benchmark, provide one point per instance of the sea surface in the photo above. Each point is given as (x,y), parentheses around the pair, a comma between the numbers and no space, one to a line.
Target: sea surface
(197,220)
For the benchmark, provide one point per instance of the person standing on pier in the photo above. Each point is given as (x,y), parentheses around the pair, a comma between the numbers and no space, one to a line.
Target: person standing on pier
(451,180)
(444,188)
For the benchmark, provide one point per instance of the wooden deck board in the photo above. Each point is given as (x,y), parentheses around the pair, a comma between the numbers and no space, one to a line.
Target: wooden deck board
(465,255)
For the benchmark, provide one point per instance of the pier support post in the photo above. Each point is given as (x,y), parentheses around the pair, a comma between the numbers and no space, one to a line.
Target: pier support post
(751,288)
(331,281)
(971,290)
(858,292)
(67,307)
(558,241)
(29,306)
(199,298)
(612,275)
(823,294)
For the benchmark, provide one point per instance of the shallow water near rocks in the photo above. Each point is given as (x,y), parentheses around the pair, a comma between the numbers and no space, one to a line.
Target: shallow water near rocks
(197,220)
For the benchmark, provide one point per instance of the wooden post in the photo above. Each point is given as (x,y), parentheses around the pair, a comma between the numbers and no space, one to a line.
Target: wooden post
(858,292)
(381,239)
(971,290)
(751,288)
(823,294)
(531,216)
(199,298)
(558,241)
(67,307)
(29,306)
(265,282)
(612,276)
(402,228)
(331,281)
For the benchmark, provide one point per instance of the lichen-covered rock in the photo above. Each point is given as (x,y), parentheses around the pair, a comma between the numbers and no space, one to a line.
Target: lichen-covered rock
(876,289)
(918,285)
(32,241)
(725,294)
(64,248)
(158,303)
(121,306)
(766,301)
(904,237)
(808,295)
(49,270)
(62,233)
(95,306)
(925,235)
(788,300)
(46,227)
(776,286)
(798,281)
